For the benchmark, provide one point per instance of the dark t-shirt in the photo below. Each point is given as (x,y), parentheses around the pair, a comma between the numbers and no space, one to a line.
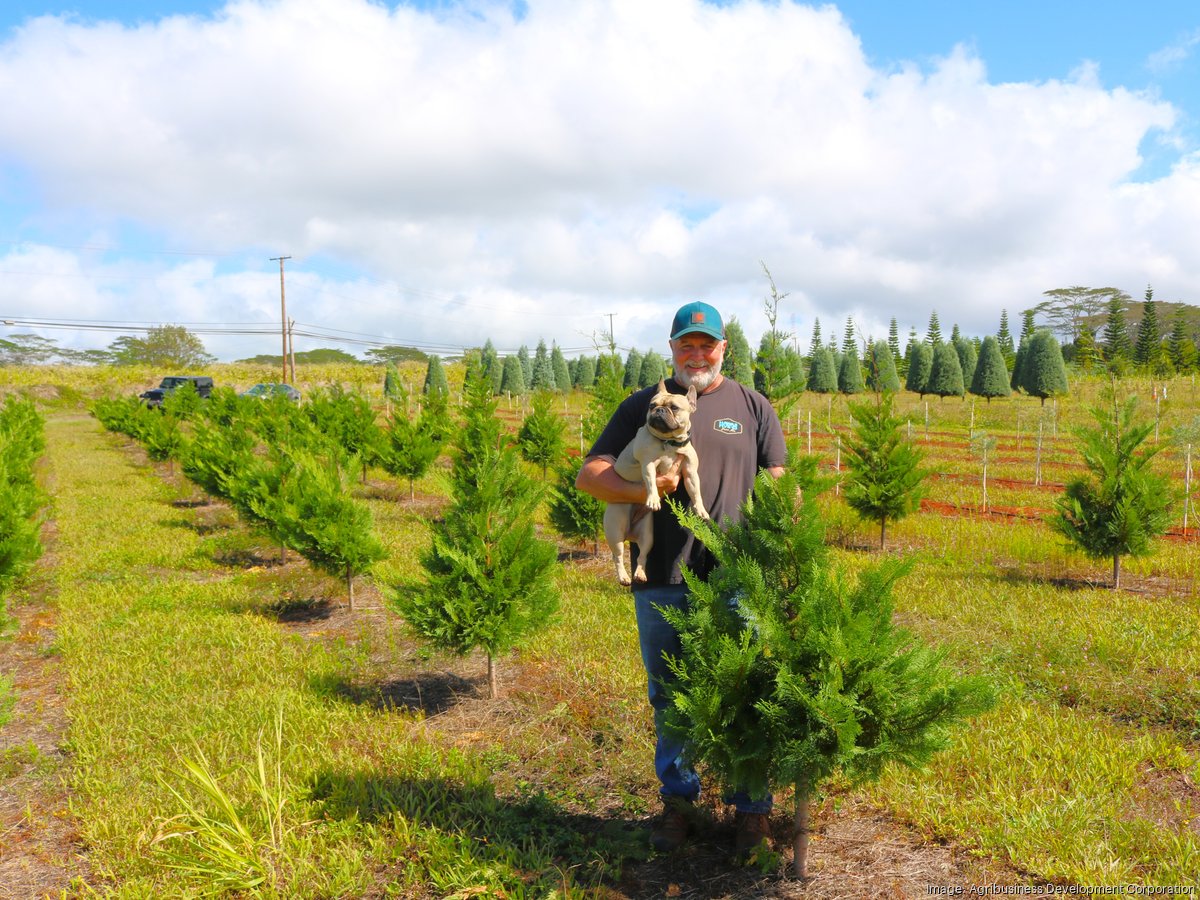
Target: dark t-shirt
(735,432)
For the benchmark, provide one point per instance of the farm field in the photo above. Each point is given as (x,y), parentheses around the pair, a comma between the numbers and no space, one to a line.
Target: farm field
(192,715)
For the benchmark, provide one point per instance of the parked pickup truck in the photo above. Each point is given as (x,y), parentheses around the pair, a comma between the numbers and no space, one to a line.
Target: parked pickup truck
(155,396)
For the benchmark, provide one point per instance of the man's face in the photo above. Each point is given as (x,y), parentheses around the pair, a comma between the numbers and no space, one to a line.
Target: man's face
(697,359)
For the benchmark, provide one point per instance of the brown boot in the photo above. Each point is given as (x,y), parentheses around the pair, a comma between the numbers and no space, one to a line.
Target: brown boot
(671,830)
(753,832)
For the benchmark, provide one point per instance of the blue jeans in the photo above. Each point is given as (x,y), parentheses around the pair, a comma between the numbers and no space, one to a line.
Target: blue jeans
(657,638)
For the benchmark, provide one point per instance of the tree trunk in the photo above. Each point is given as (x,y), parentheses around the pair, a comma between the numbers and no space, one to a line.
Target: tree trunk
(412,490)
(282,553)
(882,533)
(493,687)
(350,587)
(800,834)
(1116,571)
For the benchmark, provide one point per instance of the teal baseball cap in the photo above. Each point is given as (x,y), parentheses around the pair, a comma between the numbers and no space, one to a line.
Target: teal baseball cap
(698,316)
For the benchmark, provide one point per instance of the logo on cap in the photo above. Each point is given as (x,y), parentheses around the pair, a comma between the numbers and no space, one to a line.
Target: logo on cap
(697,317)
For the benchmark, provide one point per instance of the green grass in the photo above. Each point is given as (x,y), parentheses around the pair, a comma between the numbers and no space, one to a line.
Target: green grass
(176,681)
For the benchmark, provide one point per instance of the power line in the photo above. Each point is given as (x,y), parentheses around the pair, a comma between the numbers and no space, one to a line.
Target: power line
(317,332)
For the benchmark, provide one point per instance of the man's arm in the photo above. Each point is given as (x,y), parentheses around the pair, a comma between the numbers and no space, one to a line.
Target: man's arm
(774,471)
(598,478)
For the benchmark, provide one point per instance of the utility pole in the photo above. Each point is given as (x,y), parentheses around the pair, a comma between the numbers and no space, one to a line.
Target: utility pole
(292,348)
(283,317)
(612,337)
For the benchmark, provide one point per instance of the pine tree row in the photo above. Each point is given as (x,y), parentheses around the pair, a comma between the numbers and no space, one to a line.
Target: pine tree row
(22,440)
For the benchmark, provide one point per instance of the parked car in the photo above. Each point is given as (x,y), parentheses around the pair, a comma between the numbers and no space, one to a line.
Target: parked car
(155,396)
(270,389)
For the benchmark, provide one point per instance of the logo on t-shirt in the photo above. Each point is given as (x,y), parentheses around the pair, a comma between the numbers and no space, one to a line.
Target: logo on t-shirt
(728,426)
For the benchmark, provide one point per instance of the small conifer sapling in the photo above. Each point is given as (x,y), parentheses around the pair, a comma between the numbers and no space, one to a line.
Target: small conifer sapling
(790,673)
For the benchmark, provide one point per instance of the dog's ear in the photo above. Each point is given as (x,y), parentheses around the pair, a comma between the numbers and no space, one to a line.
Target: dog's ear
(662,385)
(691,396)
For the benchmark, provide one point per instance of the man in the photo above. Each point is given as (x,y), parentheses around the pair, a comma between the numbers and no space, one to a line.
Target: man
(736,433)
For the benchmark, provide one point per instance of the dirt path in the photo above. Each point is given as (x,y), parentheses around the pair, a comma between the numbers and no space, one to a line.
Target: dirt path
(40,851)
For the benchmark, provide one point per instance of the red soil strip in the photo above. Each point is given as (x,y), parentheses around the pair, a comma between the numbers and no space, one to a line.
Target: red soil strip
(1030,514)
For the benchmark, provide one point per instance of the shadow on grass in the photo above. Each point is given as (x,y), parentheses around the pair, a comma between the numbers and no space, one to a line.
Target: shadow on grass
(533,846)
(575,555)
(429,693)
(300,610)
(201,528)
(529,844)
(1057,580)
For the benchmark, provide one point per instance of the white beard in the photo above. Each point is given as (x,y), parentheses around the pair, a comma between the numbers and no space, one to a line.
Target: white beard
(701,379)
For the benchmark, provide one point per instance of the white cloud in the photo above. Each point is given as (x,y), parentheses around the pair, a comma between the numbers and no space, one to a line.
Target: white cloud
(1171,57)
(483,176)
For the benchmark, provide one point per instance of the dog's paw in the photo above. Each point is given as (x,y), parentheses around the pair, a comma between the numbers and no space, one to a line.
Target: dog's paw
(654,502)
(623,578)
(639,575)
(702,513)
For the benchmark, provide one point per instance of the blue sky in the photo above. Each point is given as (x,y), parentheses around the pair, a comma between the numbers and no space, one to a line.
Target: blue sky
(445,173)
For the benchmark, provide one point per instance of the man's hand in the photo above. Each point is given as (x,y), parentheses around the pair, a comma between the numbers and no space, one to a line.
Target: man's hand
(598,478)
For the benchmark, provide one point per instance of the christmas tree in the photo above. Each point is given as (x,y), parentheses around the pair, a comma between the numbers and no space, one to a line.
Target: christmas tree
(1124,504)
(790,673)
(885,477)
(488,580)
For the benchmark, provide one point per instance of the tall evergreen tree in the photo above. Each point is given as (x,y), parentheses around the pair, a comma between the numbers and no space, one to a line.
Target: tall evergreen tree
(772,369)
(968,358)
(1148,345)
(435,377)
(543,371)
(822,374)
(585,373)
(815,344)
(848,342)
(526,364)
(850,379)
(1028,325)
(797,371)
(1122,505)
(562,374)
(1005,341)
(393,388)
(885,480)
(920,363)
(654,369)
(823,682)
(955,334)
(488,579)
(1043,373)
(894,342)
(739,359)
(1180,347)
(513,379)
(1118,350)
(945,373)
(633,367)
(490,360)
(1017,377)
(933,334)
(991,376)
(1087,354)
(881,368)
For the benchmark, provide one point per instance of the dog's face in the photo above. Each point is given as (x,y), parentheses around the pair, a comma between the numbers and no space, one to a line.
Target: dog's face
(670,415)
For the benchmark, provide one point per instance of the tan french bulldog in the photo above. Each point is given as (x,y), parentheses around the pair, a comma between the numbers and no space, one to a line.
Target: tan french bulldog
(662,443)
